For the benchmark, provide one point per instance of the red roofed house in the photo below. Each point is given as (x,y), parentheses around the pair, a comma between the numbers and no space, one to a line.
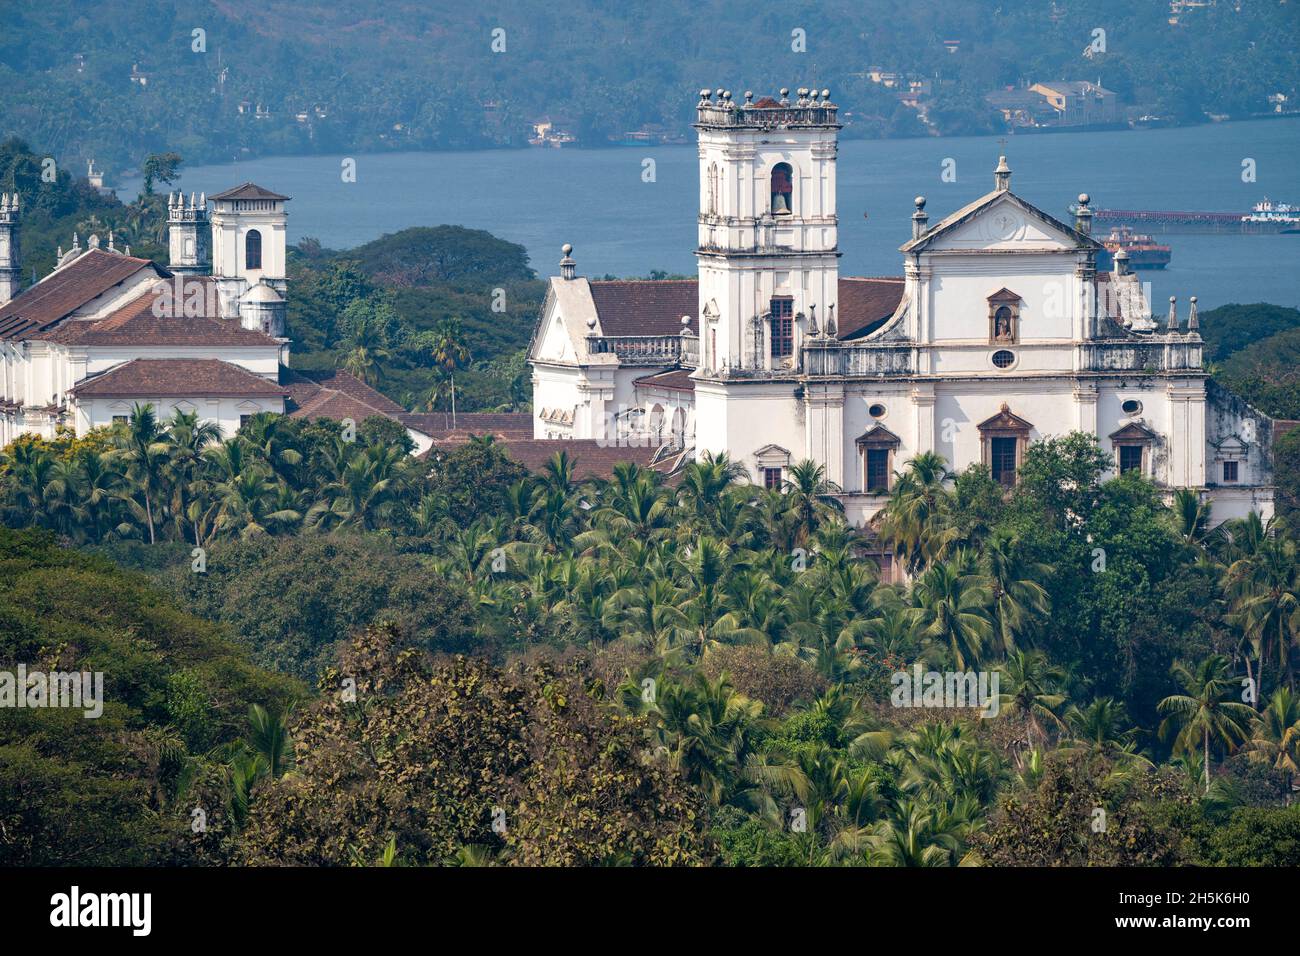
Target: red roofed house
(1000,332)
(106,330)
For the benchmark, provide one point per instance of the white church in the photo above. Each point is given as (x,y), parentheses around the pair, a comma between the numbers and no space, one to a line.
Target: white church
(205,334)
(999,332)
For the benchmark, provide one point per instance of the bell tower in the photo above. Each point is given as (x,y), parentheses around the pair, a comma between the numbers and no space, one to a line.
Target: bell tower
(187,235)
(11,265)
(768,230)
(248,243)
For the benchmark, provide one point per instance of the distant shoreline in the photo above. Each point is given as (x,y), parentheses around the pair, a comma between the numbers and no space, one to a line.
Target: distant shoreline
(134,181)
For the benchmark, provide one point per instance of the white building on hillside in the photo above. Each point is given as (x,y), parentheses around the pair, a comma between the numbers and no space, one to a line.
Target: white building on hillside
(106,331)
(999,332)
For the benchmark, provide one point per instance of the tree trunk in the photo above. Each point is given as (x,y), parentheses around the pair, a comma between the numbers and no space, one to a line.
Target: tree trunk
(1207,760)
(148,513)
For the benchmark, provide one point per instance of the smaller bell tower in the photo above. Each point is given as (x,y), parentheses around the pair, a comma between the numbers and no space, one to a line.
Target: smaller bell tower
(11,265)
(187,234)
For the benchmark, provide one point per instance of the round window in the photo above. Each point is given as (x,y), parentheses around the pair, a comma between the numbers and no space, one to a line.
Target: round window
(876,411)
(1004,359)
(1131,407)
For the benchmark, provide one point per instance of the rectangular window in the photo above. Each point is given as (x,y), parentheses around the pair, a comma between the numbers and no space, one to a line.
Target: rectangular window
(119,419)
(772,478)
(877,470)
(1002,460)
(244,420)
(1229,471)
(782,327)
(1130,458)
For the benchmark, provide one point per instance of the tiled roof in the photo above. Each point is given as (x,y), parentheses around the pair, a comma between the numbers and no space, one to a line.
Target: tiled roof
(675,380)
(248,191)
(656,306)
(334,394)
(500,425)
(63,292)
(646,306)
(137,324)
(591,459)
(865,303)
(156,378)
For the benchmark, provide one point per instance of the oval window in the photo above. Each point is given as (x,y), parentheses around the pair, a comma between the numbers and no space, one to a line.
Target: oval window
(876,411)
(1131,407)
(1003,359)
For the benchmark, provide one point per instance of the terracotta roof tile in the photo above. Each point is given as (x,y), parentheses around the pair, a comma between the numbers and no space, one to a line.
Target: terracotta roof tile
(248,191)
(656,306)
(137,324)
(865,304)
(646,306)
(675,380)
(61,293)
(500,425)
(591,459)
(148,378)
(334,394)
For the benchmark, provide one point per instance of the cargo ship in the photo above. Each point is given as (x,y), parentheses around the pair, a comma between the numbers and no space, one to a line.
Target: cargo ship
(1264,218)
(1143,251)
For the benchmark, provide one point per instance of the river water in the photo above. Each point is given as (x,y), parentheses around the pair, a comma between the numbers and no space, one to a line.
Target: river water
(621,224)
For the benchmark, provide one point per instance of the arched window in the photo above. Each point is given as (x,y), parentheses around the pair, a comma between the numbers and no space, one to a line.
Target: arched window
(782,189)
(253,250)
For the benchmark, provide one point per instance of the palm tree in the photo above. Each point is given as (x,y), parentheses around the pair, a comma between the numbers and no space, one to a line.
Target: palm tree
(448,353)
(1275,740)
(704,482)
(1032,692)
(1205,713)
(1266,589)
(810,495)
(366,347)
(954,611)
(1019,599)
(915,520)
(188,438)
(1192,515)
(144,449)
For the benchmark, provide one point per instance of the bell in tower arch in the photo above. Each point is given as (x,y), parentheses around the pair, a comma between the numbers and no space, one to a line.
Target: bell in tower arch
(782,185)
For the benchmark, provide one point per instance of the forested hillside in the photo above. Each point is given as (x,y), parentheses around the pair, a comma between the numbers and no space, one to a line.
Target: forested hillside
(132,78)
(528,669)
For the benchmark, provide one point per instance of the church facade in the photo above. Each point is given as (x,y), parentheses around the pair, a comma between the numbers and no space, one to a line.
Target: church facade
(1000,332)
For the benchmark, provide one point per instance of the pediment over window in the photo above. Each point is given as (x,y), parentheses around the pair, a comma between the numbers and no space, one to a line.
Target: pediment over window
(1004,295)
(1230,448)
(878,436)
(1133,432)
(1005,421)
(772,456)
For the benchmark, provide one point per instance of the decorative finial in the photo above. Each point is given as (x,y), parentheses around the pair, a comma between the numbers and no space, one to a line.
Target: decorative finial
(812,321)
(749,97)
(591,323)
(1002,175)
(785,96)
(1173,313)
(568,268)
(1083,215)
(1193,323)
(831,329)
(920,220)
(1121,262)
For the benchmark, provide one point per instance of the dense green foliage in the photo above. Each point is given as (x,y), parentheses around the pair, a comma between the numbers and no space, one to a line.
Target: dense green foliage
(417,311)
(336,78)
(118,788)
(717,661)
